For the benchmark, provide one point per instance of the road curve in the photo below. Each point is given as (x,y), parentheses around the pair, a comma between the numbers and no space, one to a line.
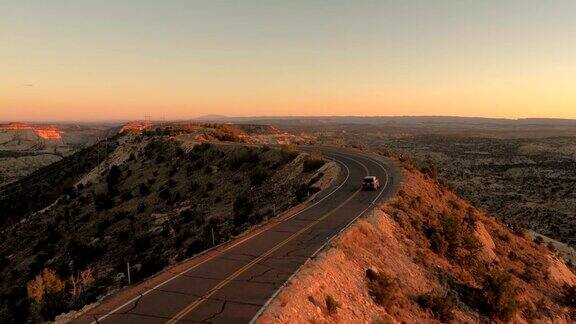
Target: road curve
(235,281)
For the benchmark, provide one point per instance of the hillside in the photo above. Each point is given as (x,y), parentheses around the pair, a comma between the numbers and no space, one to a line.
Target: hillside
(25,148)
(429,256)
(153,201)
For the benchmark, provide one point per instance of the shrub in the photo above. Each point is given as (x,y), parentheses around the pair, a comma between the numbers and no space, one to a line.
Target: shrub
(165,194)
(530,273)
(437,242)
(195,247)
(258,176)
(171,182)
(452,229)
(159,159)
(113,176)
(551,247)
(301,192)
(202,147)
(539,240)
(186,215)
(144,190)
(440,304)
(103,201)
(242,209)
(288,153)
(382,288)
(141,244)
(47,293)
(240,157)
(141,208)
(501,295)
(312,164)
(194,186)
(102,226)
(81,283)
(126,195)
(569,295)
(331,305)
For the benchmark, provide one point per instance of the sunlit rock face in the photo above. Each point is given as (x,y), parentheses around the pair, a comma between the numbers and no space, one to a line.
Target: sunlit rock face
(44,132)
(17,126)
(135,127)
(48,133)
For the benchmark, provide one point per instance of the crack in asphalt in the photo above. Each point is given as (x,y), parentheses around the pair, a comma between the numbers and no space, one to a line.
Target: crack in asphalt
(177,292)
(205,320)
(135,304)
(259,275)
(283,231)
(299,247)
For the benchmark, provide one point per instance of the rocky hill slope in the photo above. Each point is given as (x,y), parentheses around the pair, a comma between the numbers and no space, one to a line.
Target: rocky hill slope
(155,199)
(429,256)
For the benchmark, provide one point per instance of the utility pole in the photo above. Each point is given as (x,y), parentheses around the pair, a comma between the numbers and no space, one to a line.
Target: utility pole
(213,239)
(98,154)
(128,268)
(147,122)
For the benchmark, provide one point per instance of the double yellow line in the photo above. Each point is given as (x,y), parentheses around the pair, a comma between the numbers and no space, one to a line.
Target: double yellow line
(238,272)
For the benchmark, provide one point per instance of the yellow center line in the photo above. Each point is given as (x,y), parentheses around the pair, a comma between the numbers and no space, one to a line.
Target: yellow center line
(233,276)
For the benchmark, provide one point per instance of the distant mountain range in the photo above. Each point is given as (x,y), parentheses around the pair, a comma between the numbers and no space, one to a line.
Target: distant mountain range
(406,120)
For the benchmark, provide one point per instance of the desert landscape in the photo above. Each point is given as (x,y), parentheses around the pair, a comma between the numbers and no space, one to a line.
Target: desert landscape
(521,171)
(265,162)
(26,147)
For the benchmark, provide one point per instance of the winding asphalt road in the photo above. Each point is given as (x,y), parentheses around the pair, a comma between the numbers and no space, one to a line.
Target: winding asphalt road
(234,282)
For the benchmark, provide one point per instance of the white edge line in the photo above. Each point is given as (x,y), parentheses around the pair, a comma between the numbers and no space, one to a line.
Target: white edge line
(379,163)
(224,250)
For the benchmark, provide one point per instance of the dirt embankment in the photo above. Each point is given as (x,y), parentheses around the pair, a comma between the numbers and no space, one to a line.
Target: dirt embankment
(428,256)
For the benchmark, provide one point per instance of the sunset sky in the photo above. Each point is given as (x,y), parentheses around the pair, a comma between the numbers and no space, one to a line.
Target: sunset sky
(123,59)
